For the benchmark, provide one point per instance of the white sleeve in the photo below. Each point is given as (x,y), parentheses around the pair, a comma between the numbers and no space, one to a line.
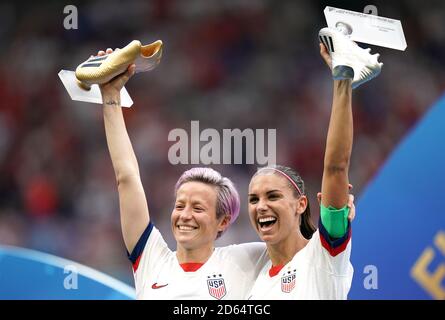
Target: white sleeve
(331,255)
(250,257)
(246,261)
(150,251)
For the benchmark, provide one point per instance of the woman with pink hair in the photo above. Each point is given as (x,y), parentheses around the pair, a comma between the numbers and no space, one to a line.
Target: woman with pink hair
(206,203)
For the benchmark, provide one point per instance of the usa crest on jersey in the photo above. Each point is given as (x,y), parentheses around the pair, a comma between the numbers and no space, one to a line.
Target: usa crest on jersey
(217,287)
(288,281)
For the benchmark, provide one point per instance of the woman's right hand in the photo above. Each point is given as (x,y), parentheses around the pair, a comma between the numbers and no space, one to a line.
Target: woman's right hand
(132,201)
(111,90)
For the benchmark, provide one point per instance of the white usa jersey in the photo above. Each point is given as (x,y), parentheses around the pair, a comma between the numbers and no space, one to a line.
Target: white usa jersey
(319,271)
(229,273)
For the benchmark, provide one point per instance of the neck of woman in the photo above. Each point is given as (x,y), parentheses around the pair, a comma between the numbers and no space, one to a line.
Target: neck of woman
(196,255)
(282,252)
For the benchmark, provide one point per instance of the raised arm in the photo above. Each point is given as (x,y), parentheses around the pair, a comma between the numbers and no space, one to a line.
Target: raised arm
(133,204)
(338,145)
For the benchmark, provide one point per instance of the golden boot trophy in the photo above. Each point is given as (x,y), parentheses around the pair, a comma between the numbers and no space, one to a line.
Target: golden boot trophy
(82,85)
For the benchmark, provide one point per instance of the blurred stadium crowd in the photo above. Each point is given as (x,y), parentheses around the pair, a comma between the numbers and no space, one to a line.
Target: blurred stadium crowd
(229,64)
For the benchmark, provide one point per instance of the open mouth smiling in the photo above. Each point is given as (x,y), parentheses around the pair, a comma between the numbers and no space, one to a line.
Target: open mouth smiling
(183,227)
(265,222)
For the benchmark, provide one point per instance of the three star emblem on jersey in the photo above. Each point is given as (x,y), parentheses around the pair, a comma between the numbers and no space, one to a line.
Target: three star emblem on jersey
(216,285)
(288,281)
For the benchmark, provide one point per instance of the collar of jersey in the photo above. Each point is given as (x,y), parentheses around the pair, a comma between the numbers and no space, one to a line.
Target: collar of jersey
(274,270)
(191,266)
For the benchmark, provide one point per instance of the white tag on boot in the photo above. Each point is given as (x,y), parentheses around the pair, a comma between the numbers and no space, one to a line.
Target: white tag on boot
(367,28)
